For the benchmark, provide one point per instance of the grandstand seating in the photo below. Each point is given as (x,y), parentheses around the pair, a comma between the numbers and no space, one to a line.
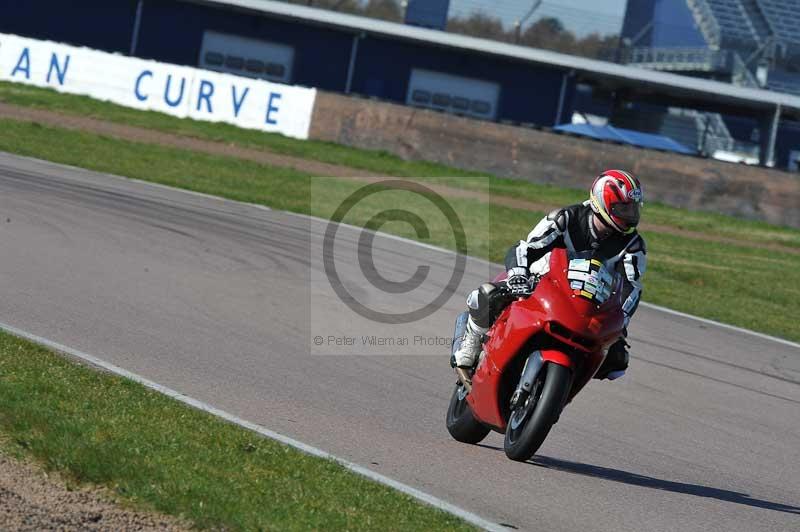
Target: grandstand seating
(703,133)
(734,24)
(784,81)
(757,19)
(783,17)
(751,22)
(740,35)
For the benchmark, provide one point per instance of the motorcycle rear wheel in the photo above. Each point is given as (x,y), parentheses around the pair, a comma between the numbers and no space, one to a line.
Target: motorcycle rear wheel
(530,423)
(461,424)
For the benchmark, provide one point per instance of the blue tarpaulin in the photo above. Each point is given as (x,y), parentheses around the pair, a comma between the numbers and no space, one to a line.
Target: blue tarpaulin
(628,136)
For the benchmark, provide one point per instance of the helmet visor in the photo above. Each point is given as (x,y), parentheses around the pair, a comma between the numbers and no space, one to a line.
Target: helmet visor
(627,212)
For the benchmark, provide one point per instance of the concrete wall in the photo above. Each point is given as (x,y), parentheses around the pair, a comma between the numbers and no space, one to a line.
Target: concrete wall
(542,157)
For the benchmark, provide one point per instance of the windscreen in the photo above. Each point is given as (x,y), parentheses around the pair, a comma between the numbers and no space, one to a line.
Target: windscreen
(590,278)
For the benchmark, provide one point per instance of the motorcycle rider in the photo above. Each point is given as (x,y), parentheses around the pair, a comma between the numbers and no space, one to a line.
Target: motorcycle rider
(605,223)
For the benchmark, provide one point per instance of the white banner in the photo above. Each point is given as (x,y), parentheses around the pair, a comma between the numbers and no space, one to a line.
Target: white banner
(175,90)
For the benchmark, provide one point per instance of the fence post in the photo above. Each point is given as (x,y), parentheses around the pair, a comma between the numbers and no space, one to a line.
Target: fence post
(769,133)
(137,23)
(351,67)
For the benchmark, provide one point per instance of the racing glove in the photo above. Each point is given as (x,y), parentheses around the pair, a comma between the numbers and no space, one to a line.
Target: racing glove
(519,282)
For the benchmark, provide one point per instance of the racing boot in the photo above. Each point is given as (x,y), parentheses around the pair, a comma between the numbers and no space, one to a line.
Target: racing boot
(467,353)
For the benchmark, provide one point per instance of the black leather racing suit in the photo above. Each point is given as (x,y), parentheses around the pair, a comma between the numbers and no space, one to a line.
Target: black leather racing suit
(570,228)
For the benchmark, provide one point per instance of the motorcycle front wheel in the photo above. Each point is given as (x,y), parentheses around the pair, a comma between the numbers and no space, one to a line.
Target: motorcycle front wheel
(461,424)
(531,421)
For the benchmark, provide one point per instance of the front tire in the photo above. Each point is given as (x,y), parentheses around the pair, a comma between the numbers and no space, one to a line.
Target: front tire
(530,422)
(461,424)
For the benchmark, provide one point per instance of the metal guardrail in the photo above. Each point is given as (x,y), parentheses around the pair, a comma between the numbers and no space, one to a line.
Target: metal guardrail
(677,59)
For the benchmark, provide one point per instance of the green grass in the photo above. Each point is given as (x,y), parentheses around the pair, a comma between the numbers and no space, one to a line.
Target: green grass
(383,163)
(737,284)
(751,288)
(186,463)
(159,454)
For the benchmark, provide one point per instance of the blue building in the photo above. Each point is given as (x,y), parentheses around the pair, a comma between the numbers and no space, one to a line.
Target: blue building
(427,13)
(423,67)
(226,37)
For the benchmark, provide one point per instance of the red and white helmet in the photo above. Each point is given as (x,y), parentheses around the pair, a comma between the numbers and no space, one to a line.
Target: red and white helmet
(617,197)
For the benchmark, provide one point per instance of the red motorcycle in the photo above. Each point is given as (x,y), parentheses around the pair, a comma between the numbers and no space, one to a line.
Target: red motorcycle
(540,352)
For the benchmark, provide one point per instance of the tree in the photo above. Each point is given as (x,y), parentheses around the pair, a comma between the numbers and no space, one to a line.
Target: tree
(547,32)
(550,24)
(346,6)
(598,46)
(480,24)
(383,9)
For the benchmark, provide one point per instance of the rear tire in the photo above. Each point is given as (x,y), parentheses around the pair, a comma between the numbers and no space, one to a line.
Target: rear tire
(461,424)
(530,423)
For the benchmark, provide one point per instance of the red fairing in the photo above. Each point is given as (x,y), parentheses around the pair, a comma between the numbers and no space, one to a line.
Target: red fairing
(568,329)
(557,357)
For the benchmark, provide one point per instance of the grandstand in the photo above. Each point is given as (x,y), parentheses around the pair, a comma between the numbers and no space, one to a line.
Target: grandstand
(745,42)
(751,43)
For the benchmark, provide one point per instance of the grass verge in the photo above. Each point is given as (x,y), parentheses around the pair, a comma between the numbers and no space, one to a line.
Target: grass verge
(186,463)
(383,163)
(181,461)
(737,284)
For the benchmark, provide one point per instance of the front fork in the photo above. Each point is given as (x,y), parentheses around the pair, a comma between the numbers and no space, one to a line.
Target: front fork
(529,373)
(533,366)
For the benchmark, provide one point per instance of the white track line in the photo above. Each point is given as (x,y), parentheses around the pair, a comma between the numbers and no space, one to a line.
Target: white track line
(645,304)
(722,325)
(499,266)
(451,252)
(377,477)
(314,451)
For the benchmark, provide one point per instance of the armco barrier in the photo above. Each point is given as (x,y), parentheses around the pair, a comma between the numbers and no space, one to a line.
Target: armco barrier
(150,85)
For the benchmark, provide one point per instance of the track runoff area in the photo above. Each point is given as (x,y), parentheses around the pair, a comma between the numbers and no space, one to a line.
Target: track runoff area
(667,438)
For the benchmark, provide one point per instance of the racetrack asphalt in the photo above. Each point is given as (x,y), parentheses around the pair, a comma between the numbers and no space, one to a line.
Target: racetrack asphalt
(221,301)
